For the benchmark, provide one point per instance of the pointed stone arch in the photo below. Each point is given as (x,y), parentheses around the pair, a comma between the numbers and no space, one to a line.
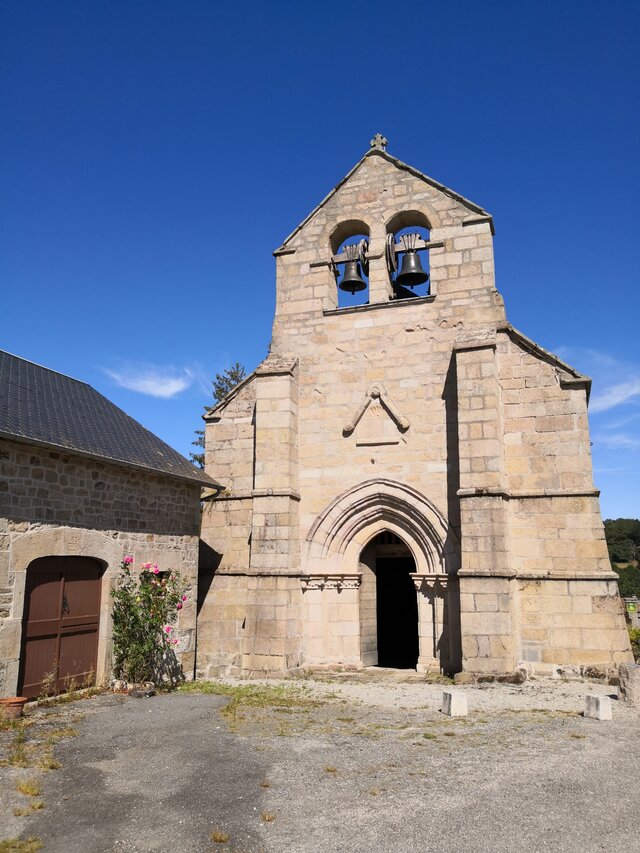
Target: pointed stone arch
(343,529)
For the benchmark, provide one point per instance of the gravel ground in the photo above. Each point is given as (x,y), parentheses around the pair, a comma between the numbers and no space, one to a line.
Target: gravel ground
(346,762)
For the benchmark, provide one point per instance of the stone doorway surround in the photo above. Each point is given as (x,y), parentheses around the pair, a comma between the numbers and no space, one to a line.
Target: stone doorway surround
(338,627)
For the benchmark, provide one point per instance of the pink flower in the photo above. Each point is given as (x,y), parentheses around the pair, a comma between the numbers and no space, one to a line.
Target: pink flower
(168,629)
(146,566)
(156,570)
(174,642)
(179,606)
(184,597)
(127,561)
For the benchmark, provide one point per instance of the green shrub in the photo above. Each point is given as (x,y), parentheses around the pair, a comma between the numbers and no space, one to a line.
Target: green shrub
(144,606)
(634,636)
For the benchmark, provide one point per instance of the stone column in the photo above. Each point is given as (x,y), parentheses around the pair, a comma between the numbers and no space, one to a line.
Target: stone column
(431,590)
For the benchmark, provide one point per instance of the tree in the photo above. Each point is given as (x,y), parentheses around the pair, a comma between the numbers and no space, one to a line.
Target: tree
(223,385)
(623,539)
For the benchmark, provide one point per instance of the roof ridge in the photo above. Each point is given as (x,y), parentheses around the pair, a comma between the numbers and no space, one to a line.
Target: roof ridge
(44,367)
(400,164)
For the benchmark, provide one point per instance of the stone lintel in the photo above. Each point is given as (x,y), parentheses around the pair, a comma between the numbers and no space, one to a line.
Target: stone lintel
(392,303)
(333,581)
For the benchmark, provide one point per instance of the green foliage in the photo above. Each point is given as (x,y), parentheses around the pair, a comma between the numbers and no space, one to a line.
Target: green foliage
(634,636)
(198,458)
(144,606)
(623,539)
(223,384)
(628,581)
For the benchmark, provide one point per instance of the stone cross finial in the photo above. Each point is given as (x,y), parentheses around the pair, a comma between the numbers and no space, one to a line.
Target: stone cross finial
(379,141)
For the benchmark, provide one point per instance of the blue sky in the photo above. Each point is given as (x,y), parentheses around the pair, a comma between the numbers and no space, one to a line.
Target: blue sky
(153,154)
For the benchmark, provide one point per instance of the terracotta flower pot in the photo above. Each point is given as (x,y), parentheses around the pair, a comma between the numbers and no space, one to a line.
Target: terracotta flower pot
(12,707)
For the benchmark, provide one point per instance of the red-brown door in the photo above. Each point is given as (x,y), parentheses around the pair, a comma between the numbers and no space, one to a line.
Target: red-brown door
(60,627)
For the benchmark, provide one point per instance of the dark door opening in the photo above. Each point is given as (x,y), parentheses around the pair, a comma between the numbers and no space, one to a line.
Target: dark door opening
(396,613)
(60,626)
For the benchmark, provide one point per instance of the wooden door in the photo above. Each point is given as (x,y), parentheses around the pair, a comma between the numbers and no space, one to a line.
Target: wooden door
(60,626)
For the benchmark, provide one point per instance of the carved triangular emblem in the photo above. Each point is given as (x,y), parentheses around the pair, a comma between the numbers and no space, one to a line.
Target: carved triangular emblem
(383,421)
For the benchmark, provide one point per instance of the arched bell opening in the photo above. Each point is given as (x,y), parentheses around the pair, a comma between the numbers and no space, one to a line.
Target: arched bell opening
(407,256)
(349,244)
(388,604)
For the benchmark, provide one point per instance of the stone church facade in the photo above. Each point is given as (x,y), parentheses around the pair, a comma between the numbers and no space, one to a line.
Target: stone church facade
(408,480)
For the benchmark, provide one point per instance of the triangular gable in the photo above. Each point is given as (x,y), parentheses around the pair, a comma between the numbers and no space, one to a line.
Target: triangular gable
(378,152)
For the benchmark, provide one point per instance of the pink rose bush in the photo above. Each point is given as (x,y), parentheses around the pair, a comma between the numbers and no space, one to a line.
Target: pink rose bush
(145,604)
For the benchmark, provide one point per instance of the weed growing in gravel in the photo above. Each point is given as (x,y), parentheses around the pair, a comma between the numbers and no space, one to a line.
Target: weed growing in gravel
(21,845)
(70,696)
(35,806)
(577,736)
(29,787)
(59,734)
(268,817)
(18,752)
(48,762)
(244,696)
(265,783)
(431,736)
(374,792)
(331,769)
(218,836)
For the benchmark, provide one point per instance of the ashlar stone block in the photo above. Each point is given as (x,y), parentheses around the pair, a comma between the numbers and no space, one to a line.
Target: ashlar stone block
(597,707)
(454,703)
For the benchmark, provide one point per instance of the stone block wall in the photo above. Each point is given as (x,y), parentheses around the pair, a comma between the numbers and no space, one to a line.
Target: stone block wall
(466,423)
(572,623)
(57,504)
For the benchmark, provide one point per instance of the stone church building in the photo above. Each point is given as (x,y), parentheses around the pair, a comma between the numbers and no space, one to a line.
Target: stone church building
(408,477)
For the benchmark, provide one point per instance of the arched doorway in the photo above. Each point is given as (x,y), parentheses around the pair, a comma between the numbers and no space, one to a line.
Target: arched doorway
(388,604)
(60,624)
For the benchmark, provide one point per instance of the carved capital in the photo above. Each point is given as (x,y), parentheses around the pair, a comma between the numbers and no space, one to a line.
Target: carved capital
(430,582)
(338,582)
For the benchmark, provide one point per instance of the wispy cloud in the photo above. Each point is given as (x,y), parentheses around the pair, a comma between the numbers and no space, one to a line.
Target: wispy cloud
(154,381)
(615,395)
(615,382)
(618,441)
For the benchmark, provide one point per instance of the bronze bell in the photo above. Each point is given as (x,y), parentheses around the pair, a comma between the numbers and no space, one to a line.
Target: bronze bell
(352,280)
(411,272)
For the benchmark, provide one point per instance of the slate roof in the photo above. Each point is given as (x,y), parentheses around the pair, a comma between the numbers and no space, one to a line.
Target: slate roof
(44,407)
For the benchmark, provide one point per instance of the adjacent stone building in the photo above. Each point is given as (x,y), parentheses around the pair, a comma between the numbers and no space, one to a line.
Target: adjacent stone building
(408,480)
(81,485)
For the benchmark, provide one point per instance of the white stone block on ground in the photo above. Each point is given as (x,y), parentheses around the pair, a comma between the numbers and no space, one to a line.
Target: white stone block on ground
(629,674)
(597,707)
(454,703)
